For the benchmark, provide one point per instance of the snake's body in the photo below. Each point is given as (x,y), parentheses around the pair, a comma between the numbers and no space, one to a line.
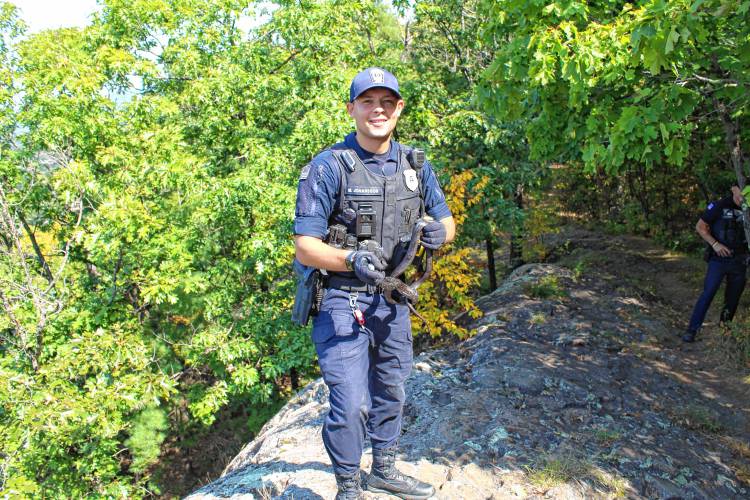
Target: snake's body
(393,282)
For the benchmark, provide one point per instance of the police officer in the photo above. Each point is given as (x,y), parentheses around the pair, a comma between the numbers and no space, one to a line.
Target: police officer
(377,189)
(721,227)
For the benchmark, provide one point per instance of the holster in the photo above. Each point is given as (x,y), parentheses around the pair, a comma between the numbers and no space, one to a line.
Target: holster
(307,296)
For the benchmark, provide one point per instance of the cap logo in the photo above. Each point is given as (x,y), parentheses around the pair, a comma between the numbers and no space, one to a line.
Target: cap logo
(377,76)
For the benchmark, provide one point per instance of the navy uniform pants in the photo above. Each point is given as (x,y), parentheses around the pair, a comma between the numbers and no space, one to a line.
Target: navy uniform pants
(734,271)
(365,368)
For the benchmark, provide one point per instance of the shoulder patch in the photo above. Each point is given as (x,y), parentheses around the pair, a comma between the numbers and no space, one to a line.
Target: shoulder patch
(305,172)
(710,206)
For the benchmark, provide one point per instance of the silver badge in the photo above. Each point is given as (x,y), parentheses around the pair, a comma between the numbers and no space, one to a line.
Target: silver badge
(377,76)
(410,176)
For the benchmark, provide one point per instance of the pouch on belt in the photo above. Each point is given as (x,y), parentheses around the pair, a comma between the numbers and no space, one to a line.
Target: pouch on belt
(307,291)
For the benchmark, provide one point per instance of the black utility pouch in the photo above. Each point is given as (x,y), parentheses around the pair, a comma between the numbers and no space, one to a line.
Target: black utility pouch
(365,221)
(307,289)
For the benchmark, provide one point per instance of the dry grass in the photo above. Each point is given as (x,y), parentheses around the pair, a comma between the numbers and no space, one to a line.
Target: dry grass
(732,343)
(554,471)
(741,452)
(548,287)
(615,485)
(606,436)
(695,417)
(739,448)
(538,319)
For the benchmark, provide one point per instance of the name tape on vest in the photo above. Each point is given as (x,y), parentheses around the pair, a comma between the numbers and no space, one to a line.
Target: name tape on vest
(364,190)
(732,213)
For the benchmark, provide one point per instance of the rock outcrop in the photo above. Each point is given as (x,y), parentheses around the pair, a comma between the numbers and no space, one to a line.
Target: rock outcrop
(564,391)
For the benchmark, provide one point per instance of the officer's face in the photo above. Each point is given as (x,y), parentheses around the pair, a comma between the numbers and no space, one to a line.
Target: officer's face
(376,112)
(738,198)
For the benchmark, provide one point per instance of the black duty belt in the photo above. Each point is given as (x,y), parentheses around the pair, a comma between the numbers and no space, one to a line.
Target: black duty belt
(350,284)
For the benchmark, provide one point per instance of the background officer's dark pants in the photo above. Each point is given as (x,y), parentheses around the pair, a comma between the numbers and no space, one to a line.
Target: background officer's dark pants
(735,272)
(365,369)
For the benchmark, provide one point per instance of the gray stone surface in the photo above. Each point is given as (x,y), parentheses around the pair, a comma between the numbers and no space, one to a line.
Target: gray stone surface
(551,398)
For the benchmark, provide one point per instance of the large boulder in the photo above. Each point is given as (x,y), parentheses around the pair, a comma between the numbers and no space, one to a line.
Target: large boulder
(548,399)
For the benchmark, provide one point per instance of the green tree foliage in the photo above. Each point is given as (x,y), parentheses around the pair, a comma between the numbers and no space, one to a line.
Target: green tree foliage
(654,92)
(149,172)
(146,435)
(448,54)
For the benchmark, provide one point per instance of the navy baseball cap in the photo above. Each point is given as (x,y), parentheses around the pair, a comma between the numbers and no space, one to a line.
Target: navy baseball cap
(372,78)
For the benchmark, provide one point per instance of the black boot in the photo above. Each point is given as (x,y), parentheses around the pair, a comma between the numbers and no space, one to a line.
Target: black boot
(349,487)
(385,478)
(689,336)
(725,317)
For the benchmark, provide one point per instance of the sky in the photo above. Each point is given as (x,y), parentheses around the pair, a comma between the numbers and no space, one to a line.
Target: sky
(40,15)
(50,14)
(46,14)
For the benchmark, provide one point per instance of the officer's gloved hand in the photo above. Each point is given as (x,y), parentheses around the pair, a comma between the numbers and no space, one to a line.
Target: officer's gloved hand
(433,235)
(368,267)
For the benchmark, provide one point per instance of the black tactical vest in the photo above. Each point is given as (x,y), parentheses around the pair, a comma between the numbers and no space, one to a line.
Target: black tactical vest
(377,207)
(728,229)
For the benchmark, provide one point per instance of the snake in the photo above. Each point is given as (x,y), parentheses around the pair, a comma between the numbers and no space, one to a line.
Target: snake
(392,282)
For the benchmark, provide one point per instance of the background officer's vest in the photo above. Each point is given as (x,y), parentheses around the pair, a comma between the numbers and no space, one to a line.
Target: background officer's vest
(378,207)
(728,229)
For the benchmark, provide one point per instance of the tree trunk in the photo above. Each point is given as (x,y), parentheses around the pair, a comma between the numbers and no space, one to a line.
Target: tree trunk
(294,378)
(491,263)
(515,258)
(732,138)
(644,192)
(46,271)
(666,220)
(704,191)
(638,191)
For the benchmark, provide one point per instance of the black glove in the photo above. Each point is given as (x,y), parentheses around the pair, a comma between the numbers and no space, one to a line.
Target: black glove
(367,266)
(433,235)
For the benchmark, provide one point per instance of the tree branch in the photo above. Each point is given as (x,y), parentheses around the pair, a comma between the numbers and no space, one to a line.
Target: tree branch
(46,272)
(717,81)
(20,330)
(369,41)
(285,62)
(114,276)
(6,241)
(66,252)
(456,50)
(407,42)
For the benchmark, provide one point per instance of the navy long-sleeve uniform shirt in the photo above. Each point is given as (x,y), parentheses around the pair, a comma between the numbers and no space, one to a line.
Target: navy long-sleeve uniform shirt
(318,192)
